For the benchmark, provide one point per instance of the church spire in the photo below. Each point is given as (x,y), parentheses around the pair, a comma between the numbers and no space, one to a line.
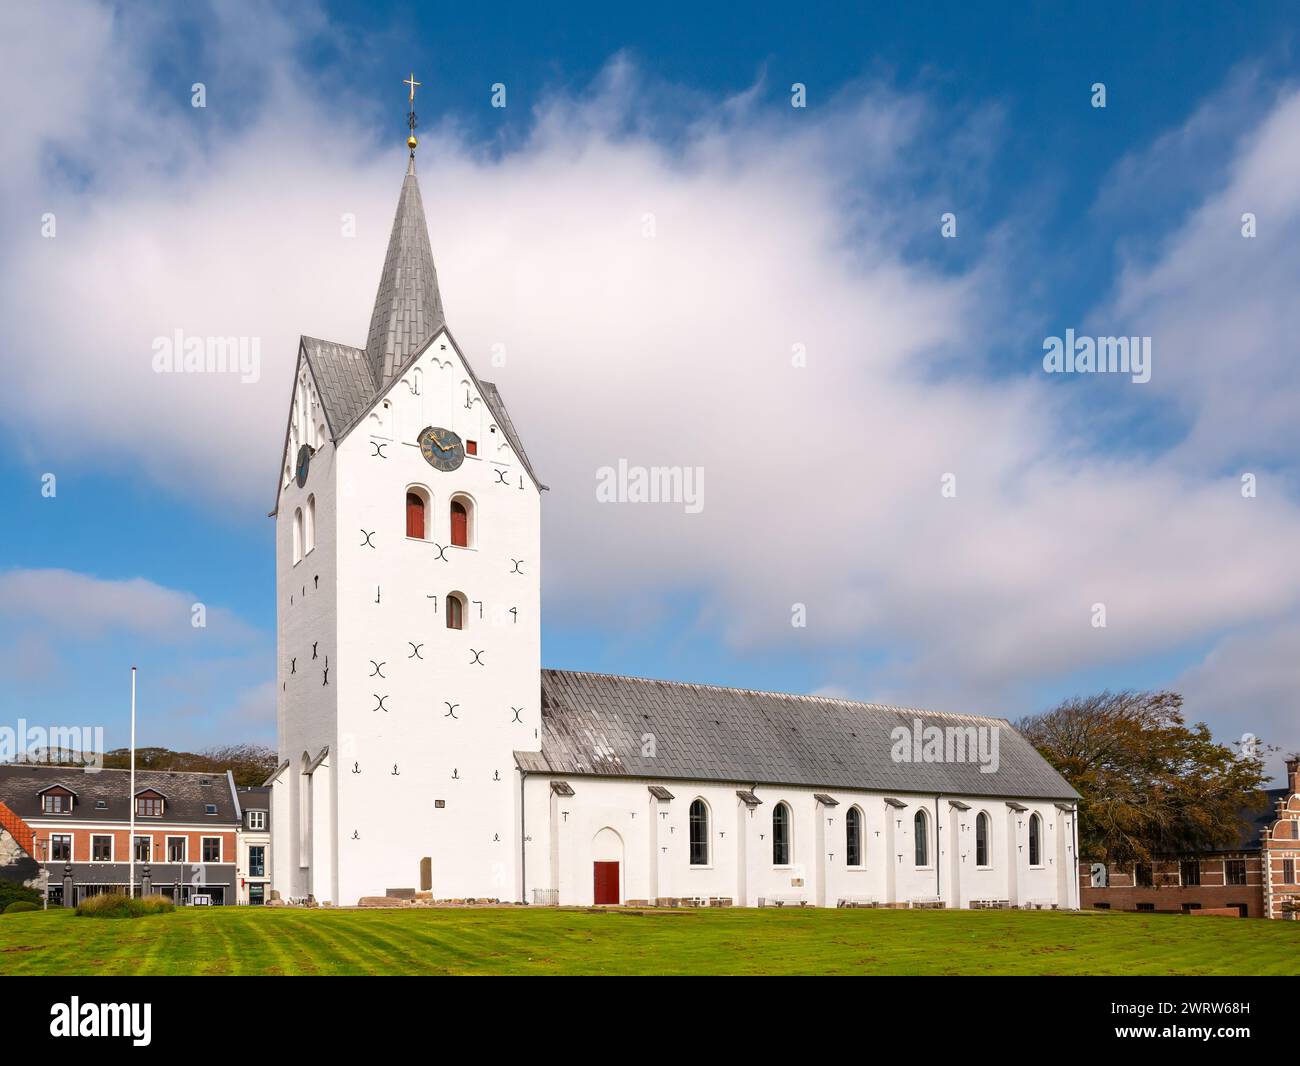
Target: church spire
(408,306)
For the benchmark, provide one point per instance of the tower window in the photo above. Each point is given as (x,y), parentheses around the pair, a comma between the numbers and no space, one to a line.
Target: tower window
(309,526)
(463,533)
(297,536)
(471,447)
(455,611)
(415,513)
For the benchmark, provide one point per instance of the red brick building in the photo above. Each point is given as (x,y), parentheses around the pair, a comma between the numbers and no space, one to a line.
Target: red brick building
(1256,877)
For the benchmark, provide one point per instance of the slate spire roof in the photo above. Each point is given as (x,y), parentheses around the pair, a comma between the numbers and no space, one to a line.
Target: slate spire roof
(408,306)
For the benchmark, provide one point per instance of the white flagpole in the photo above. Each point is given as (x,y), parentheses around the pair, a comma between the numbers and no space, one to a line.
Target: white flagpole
(130,844)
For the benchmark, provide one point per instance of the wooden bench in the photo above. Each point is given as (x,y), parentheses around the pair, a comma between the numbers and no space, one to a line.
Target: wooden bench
(694,901)
(720,901)
(858,901)
(990,904)
(928,903)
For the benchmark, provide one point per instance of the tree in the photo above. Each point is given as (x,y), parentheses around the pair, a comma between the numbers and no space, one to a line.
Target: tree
(1151,784)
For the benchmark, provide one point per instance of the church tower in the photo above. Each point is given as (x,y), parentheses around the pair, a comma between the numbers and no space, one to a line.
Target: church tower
(408,606)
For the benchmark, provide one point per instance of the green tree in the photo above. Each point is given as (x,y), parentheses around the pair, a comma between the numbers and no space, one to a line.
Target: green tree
(1151,784)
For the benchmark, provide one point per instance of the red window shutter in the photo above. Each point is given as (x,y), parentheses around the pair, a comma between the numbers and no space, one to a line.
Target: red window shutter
(471,447)
(455,618)
(459,525)
(414,516)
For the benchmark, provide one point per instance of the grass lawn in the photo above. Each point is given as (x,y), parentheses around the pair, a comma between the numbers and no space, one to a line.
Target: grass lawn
(273,940)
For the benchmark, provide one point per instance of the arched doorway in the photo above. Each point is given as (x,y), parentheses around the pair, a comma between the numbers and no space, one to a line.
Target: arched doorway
(607,867)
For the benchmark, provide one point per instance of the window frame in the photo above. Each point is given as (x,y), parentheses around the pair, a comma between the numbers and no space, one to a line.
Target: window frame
(147,841)
(461,603)
(203,850)
(921,843)
(692,843)
(470,506)
(257,821)
(56,839)
(1035,841)
(984,829)
(185,849)
(259,869)
(853,828)
(1229,867)
(421,493)
(95,838)
(785,839)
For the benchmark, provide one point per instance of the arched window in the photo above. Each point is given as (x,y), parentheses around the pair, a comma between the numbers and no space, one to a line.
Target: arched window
(920,826)
(699,833)
(982,839)
(1035,840)
(463,533)
(297,536)
(780,835)
(309,526)
(415,514)
(853,837)
(455,611)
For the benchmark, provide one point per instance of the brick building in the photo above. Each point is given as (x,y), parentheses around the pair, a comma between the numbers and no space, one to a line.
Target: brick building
(70,827)
(1255,877)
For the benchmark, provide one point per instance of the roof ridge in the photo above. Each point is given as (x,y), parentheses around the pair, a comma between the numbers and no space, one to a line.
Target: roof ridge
(784,695)
(106,769)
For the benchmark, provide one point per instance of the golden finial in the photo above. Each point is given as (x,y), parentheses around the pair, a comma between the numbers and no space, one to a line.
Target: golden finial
(411,142)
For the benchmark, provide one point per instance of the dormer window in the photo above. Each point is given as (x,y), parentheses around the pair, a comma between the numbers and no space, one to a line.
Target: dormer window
(257,820)
(210,808)
(57,800)
(149,804)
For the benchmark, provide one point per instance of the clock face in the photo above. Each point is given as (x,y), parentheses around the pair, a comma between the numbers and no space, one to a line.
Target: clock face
(304,464)
(441,448)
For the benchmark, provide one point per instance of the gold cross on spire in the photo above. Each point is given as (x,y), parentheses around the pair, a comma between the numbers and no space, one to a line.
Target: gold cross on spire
(411,142)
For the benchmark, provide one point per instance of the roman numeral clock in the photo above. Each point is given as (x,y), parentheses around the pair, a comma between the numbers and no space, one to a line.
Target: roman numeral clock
(442,449)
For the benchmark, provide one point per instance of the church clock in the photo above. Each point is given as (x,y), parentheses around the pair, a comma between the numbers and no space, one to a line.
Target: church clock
(442,449)
(304,464)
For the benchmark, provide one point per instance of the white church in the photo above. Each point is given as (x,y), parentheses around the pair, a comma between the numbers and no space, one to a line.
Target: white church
(424,749)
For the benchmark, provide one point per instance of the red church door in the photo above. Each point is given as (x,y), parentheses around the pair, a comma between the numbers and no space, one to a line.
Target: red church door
(606,875)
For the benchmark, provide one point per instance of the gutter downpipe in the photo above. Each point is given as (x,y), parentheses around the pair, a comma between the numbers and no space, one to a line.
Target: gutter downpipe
(938,866)
(523,847)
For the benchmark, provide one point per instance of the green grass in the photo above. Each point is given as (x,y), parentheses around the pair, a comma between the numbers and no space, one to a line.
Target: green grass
(273,940)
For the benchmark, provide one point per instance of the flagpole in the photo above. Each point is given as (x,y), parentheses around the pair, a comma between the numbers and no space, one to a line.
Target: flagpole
(130,844)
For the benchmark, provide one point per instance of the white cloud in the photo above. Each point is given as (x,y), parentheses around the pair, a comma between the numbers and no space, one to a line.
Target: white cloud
(822,483)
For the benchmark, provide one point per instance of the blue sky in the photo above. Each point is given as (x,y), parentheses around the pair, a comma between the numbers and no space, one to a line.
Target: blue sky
(816,224)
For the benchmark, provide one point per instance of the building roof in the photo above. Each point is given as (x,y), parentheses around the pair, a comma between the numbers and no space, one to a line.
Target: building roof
(254,797)
(408,306)
(186,795)
(613,726)
(1254,819)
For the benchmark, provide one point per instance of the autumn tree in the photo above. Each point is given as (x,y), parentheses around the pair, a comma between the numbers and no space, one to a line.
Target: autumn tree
(1151,784)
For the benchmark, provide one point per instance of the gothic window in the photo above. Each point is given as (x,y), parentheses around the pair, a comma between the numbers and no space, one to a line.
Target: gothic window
(1035,840)
(455,611)
(982,839)
(781,835)
(297,536)
(853,837)
(415,515)
(699,833)
(309,526)
(920,827)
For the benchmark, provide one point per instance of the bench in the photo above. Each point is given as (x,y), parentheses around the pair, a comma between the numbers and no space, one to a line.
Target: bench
(783,901)
(720,901)
(1038,905)
(932,903)
(694,901)
(858,901)
(990,904)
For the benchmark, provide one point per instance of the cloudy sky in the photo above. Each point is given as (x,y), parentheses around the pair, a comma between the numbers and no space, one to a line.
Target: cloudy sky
(679,268)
